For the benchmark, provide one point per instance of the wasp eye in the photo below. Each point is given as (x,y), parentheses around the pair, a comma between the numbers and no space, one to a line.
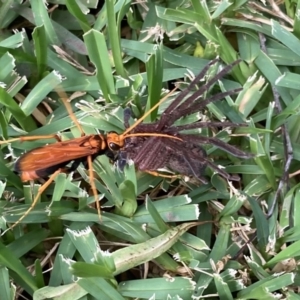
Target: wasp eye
(114,147)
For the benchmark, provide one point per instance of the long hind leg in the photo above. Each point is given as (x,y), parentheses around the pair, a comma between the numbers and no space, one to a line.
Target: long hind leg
(35,200)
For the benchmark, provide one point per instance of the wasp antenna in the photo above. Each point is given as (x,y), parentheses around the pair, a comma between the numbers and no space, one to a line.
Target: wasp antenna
(154,135)
(148,112)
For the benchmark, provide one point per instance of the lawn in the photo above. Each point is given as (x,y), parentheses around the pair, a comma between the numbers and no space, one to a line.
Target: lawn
(208,236)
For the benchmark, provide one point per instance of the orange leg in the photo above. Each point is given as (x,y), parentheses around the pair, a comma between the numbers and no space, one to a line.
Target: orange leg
(93,186)
(65,100)
(31,138)
(36,198)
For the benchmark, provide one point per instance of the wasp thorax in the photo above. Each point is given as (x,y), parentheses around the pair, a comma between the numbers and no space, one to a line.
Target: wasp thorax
(114,141)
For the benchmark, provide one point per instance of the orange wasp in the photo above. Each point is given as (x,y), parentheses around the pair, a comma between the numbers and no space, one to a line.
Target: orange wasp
(151,146)
(50,160)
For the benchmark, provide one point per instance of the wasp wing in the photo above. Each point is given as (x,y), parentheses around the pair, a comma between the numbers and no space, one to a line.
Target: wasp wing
(42,161)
